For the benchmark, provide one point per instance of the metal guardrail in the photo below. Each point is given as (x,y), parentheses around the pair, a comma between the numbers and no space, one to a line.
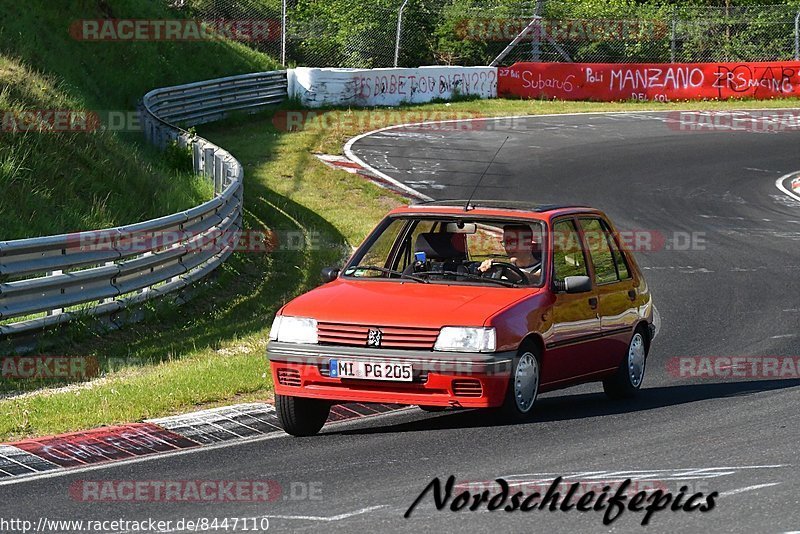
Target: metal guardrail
(104,271)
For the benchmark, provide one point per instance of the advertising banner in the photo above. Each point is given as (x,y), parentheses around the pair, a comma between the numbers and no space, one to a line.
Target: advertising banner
(662,82)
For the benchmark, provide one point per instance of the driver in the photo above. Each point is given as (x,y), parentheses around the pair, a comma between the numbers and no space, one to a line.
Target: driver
(521,249)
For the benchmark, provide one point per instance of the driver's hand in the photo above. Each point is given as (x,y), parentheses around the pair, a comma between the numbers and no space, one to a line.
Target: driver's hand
(485,265)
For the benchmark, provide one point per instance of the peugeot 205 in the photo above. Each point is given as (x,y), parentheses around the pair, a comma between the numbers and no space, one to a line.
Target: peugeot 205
(479,305)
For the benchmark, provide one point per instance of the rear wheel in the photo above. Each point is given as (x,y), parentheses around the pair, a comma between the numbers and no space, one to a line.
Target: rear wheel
(628,379)
(301,417)
(523,387)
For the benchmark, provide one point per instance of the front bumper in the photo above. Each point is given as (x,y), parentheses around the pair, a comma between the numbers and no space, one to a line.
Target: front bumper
(469,380)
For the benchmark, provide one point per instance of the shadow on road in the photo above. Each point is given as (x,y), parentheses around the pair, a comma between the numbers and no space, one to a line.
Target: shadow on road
(585,405)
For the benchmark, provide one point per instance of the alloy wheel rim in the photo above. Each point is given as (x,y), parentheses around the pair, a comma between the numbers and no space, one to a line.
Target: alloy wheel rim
(526,382)
(636,360)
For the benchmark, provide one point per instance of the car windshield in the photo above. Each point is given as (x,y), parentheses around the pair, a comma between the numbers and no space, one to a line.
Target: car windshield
(501,253)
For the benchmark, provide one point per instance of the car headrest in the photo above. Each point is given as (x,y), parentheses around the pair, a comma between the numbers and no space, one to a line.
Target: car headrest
(440,246)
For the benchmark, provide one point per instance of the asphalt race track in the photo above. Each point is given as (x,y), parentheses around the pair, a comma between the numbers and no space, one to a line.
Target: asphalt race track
(733,290)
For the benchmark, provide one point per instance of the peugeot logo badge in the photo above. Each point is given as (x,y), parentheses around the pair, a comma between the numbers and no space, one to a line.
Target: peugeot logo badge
(374,337)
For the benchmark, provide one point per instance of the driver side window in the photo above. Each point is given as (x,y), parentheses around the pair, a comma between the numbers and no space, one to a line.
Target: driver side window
(568,256)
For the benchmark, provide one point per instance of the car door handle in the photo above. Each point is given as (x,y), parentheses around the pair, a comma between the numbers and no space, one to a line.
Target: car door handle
(593,303)
(632,294)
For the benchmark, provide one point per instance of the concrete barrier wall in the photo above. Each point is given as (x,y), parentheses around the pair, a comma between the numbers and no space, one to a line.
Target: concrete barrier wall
(389,87)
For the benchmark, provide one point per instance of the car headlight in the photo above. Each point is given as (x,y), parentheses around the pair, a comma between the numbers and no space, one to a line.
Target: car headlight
(466,339)
(293,329)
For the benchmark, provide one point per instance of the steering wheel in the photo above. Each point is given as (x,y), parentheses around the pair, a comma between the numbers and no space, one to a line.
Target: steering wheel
(511,272)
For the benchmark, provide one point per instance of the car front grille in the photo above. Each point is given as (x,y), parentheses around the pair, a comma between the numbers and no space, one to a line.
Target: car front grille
(392,337)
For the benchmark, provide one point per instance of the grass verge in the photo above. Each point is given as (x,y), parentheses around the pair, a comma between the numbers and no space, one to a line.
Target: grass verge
(61,171)
(211,350)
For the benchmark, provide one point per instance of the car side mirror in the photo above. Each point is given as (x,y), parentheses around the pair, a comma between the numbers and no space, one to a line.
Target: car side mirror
(329,274)
(575,284)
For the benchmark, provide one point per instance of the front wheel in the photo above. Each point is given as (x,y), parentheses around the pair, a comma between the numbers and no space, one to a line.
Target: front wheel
(628,378)
(301,417)
(523,387)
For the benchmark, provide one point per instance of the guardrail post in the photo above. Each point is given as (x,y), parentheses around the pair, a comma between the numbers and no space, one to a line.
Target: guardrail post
(226,173)
(219,174)
(208,162)
(109,299)
(56,311)
(197,158)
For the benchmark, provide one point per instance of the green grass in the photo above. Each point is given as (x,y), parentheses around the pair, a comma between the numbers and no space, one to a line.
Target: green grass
(211,350)
(129,394)
(111,74)
(64,182)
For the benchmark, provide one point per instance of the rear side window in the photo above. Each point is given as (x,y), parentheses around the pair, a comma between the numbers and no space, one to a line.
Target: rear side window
(619,258)
(609,264)
(568,258)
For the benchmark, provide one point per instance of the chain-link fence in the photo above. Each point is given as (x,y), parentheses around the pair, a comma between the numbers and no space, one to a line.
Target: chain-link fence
(409,33)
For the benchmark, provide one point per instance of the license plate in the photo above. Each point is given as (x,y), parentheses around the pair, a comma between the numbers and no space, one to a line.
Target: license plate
(400,372)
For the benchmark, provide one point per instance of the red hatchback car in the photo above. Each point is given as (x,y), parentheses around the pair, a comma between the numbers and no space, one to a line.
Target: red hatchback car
(483,305)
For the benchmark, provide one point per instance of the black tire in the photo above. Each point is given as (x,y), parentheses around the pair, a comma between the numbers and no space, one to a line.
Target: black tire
(301,417)
(433,409)
(516,409)
(628,378)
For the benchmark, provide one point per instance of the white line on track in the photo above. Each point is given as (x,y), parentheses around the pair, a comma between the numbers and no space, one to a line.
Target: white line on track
(339,517)
(331,518)
(761,170)
(748,488)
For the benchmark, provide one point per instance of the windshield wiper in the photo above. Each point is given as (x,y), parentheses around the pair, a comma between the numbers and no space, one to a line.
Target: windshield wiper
(387,271)
(473,277)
